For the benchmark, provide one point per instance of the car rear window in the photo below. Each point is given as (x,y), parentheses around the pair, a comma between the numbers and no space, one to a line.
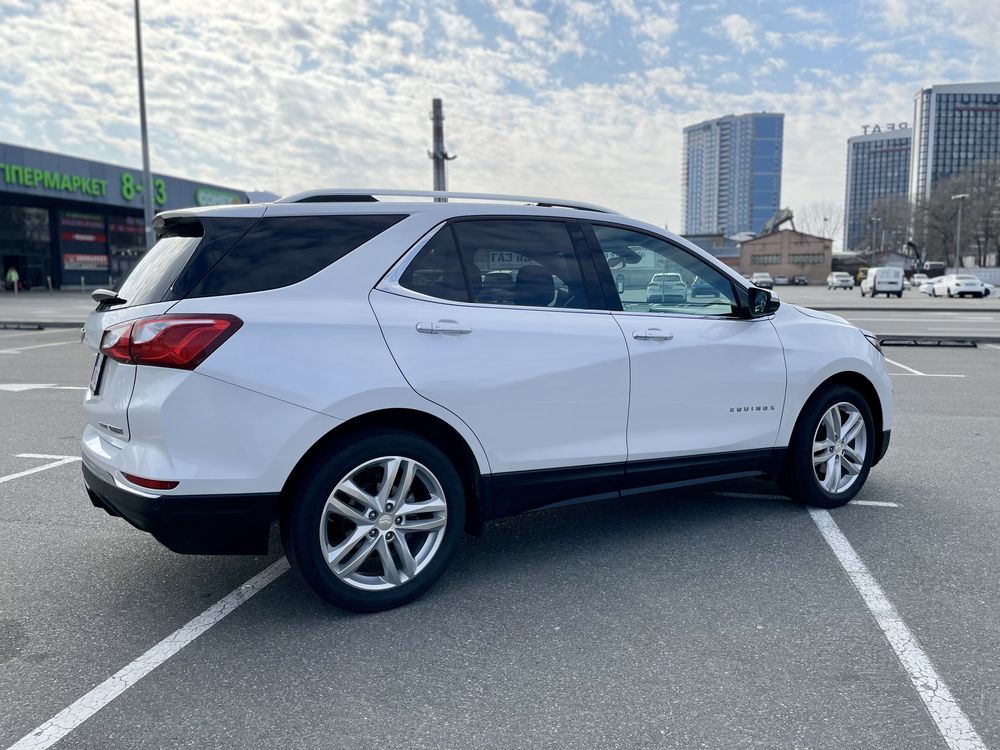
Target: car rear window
(153,275)
(283,250)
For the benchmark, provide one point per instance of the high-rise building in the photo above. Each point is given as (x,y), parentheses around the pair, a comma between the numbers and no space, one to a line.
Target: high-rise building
(878,168)
(732,173)
(956,130)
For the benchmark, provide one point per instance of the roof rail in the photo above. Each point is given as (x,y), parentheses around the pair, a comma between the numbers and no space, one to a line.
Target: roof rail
(368,196)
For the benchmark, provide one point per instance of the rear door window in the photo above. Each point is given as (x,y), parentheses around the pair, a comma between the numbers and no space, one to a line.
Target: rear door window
(284,250)
(521,262)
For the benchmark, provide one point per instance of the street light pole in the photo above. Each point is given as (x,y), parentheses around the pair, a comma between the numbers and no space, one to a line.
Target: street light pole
(875,221)
(958,230)
(147,177)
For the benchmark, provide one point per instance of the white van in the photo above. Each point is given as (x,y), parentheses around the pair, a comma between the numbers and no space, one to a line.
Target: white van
(883,280)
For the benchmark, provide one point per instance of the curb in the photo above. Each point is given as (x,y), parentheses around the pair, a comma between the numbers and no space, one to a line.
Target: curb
(36,325)
(830,308)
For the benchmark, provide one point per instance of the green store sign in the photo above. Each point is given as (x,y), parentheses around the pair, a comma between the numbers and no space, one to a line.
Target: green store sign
(43,179)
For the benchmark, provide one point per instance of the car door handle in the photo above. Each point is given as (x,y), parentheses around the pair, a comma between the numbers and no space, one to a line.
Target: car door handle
(443,326)
(652,334)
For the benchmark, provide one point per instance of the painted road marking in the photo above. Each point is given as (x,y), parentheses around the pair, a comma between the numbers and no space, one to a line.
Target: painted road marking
(876,503)
(992,346)
(761,496)
(18,387)
(950,719)
(921,374)
(50,732)
(20,349)
(61,460)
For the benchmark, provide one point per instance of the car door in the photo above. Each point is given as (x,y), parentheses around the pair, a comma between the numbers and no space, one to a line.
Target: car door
(492,320)
(707,387)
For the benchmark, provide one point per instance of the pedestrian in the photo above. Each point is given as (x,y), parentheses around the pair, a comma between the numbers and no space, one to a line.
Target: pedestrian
(13,278)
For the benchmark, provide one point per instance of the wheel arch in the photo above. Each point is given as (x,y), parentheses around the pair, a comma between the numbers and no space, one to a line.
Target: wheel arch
(866,388)
(477,487)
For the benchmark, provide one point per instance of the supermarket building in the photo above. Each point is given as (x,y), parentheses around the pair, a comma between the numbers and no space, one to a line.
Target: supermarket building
(75,221)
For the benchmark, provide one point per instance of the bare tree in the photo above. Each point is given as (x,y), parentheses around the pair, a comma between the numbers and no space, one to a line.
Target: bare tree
(821,218)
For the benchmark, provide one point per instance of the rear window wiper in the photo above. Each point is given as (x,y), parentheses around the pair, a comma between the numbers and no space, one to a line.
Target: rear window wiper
(106,298)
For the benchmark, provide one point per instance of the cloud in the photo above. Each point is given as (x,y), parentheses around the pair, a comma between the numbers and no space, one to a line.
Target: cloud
(806,15)
(586,102)
(741,31)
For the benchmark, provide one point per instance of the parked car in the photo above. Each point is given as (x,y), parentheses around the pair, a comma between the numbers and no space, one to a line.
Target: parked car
(959,285)
(762,279)
(781,281)
(703,288)
(801,281)
(334,362)
(927,287)
(883,280)
(666,287)
(917,279)
(839,280)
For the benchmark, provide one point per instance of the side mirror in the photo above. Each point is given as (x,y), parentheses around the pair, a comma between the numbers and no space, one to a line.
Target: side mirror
(760,302)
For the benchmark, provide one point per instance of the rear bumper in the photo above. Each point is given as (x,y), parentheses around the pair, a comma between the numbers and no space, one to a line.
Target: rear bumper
(190,524)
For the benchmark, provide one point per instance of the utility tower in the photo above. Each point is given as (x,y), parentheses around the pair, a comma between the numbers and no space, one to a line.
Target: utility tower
(439,156)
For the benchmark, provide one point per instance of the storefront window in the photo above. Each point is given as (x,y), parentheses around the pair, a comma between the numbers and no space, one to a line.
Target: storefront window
(127,242)
(26,244)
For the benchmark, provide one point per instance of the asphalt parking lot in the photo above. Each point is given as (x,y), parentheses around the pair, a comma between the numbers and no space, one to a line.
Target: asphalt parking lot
(722,617)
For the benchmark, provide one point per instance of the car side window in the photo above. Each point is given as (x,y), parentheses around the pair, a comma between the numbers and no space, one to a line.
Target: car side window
(437,270)
(521,262)
(654,276)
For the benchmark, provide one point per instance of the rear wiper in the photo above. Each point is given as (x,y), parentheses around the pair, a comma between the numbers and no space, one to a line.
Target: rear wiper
(106,298)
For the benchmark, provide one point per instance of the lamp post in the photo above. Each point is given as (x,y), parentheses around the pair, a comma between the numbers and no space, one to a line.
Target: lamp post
(147,177)
(958,229)
(875,221)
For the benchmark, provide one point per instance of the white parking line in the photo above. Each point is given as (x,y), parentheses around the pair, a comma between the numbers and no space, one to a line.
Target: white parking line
(950,719)
(18,387)
(992,346)
(921,374)
(50,732)
(20,349)
(876,503)
(61,460)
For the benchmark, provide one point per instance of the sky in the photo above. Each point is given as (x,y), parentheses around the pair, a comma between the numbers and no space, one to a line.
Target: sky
(561,98)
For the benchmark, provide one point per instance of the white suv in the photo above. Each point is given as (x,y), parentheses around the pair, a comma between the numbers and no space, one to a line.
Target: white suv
(379,376)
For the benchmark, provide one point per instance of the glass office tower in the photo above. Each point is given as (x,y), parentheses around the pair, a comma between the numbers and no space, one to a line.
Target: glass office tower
(732,173)
(878,167)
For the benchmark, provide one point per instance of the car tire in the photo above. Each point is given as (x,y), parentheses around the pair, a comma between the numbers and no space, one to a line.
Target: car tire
(314,528)
(933,292)
(808,481)
(948,291)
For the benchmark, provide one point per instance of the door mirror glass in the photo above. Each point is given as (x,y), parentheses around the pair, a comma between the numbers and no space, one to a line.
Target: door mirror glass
(760,302)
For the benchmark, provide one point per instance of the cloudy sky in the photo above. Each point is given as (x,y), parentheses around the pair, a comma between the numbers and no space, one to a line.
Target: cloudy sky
(565,98)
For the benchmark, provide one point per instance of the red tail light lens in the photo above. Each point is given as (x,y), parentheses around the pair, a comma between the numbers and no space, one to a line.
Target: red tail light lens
(179,341)
(115,342)
(150,484)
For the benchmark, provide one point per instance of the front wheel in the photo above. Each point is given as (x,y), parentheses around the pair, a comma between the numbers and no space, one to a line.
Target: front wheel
(376,522)
(831,450)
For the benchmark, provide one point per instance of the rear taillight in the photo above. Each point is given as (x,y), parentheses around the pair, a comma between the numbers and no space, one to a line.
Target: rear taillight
(178,341)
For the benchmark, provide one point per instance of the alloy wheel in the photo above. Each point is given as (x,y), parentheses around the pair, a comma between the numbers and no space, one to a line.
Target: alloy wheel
(383,523)
(839,447)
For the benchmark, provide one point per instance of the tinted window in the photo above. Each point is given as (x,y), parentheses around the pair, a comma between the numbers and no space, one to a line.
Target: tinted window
(152,276)
(284,250)
(652,275)
(521,262)
(437,271)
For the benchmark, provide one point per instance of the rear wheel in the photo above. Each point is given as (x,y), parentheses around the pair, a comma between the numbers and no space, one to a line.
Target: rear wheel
(377,522)
(831,450)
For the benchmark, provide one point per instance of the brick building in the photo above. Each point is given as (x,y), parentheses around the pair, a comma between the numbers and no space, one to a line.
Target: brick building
(788,253)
